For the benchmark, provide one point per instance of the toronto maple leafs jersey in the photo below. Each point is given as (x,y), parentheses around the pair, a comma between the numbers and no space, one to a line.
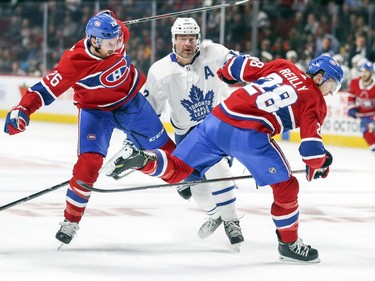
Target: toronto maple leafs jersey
(192,90)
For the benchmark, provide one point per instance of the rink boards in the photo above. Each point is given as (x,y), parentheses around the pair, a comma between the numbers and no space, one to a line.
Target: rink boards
(338,128)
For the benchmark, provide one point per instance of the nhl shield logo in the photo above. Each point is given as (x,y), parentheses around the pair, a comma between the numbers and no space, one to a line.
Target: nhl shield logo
(272,170)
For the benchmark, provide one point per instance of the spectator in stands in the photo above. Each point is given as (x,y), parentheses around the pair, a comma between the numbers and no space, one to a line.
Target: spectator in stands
(292,56)
(327,45)
(359,47)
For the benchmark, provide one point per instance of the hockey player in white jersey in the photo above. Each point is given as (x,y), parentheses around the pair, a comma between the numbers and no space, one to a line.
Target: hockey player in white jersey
(187,80)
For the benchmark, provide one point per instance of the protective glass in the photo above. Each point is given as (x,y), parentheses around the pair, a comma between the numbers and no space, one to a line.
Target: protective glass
(332,86)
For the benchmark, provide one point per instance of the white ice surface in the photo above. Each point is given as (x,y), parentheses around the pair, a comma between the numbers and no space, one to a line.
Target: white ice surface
(151,234)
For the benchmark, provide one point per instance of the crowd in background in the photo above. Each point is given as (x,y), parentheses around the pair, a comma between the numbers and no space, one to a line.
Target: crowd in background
(294,29)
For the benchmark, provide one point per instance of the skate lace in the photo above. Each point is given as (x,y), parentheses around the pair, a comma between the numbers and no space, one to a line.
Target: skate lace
(69,228)
(209,227)
(211,224)
(232,227)
(115,161)
(300,248)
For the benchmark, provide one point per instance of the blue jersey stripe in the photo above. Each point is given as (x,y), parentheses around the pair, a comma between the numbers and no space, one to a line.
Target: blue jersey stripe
(246,118)
(286,222)
(311,147)
(76,197)
(46,96)
(223,190)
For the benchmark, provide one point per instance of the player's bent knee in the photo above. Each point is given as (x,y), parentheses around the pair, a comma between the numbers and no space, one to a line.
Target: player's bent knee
(87,167)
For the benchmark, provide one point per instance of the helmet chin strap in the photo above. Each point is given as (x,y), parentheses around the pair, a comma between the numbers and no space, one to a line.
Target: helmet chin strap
(97,48)
(90,44)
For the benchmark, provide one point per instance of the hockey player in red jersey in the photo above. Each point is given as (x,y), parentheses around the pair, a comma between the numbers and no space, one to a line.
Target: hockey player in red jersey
(278,98)
(106,92)
(361,102)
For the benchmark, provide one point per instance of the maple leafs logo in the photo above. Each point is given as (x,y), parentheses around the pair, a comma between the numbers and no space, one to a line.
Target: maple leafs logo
(199,105)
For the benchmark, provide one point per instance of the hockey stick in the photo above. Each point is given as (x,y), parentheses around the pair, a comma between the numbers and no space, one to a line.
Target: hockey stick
(32,196)
(164,16)
(47,190)
(178,185)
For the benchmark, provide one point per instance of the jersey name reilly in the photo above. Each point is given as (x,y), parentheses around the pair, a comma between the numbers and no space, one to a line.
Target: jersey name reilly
(293,79)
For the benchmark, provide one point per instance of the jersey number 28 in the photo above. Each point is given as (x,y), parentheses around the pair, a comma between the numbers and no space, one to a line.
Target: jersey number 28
(272,93)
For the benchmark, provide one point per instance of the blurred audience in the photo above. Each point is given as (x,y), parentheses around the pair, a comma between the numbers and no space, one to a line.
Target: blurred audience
(295,29)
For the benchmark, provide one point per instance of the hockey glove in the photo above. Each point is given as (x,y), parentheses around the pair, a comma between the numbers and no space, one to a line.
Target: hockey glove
(353,112)
(17,120)
(322,172)
(225,80)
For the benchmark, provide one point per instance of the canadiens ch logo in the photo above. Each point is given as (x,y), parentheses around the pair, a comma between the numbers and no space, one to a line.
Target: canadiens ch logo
(199,105)
(115,75)
(91,137)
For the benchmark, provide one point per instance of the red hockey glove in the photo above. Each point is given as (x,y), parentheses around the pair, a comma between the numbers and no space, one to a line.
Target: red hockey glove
(16,121)
(322,172)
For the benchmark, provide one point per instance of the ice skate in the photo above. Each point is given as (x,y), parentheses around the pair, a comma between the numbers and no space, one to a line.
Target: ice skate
(109,167)
(185,193)
(209,227)
(67,231)
(297,252)
(129,157)
(233,231)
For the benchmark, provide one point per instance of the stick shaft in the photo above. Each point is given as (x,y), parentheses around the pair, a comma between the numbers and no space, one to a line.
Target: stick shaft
(32,196)
(181,184)
(169,15)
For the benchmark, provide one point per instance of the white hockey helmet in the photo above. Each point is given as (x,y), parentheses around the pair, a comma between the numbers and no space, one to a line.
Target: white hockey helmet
(185,26)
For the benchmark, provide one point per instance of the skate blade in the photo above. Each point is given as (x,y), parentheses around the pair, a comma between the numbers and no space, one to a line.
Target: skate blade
(294,261)
(235,248)
(60,247)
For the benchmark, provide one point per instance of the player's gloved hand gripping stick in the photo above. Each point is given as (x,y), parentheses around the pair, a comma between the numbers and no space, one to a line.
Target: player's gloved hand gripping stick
(322,172)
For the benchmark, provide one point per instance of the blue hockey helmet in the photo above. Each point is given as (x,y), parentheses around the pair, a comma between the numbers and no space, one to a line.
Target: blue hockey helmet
(329,66)
(367,66)
(102,27)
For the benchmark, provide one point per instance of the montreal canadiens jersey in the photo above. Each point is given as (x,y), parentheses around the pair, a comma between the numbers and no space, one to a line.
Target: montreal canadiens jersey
(192,91)
(279,98)
(97,83)
(362,97)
